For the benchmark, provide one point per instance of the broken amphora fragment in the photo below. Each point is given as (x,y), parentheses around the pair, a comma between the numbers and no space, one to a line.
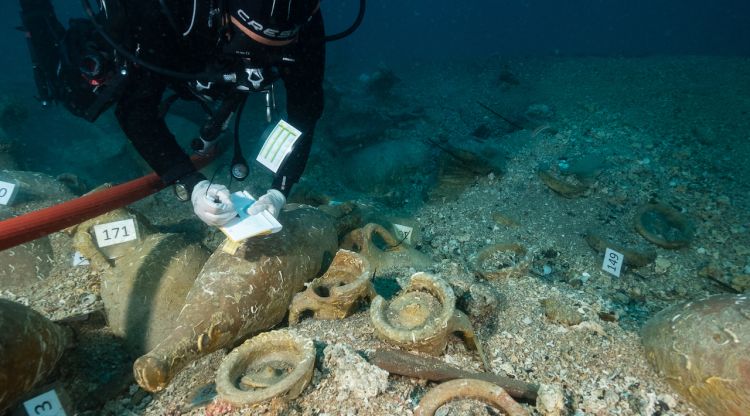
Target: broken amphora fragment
(382,249)
(271,364)
(422,316)
(335,294)
(466,388)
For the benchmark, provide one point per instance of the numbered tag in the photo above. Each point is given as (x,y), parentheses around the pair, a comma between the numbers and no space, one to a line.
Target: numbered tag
(612,262)
(7,192)
(79,260)
(116,232)
(45,404)
(278,145)
(403,232)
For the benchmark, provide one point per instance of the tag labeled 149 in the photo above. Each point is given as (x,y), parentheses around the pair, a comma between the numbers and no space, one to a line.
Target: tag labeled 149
(612,262)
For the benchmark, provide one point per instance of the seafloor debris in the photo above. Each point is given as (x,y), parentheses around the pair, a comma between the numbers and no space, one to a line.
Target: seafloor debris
(276,363)
(569,186)
(466,388)
(741,283)
(702,348)
(422,316)
(432,369)
(354,377)
(632,257)
(380,83)
(502,261)
(146,289)
(479,299)
(663,225)
(558,311)
(335,294)
(237,295)
(30,346)
(458,167)
(382,249)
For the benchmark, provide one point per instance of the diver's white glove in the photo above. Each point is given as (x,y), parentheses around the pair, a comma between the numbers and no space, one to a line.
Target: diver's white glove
(211,203)
(272,201)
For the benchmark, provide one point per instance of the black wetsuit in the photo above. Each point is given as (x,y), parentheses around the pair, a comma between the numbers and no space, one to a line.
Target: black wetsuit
(156,33)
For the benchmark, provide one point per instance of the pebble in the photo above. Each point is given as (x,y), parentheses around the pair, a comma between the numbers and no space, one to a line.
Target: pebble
(561,313)
(354,377)
(551,400)
(662,265)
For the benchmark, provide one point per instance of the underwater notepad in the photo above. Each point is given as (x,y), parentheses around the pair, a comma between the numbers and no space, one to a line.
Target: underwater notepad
(245,226)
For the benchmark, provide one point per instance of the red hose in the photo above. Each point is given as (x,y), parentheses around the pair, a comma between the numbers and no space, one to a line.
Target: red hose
(37,224)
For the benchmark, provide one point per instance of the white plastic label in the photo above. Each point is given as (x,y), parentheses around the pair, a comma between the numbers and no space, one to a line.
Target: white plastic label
(245,226)
(278,145)
(7,191)
(612,262)
(403,232)
(115,232)
(45,404)
(79,260)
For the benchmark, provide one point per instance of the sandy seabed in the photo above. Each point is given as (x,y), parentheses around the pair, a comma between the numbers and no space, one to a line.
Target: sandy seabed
(667,129)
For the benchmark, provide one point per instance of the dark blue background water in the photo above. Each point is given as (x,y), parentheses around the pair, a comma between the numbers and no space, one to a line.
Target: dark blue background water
(397,29)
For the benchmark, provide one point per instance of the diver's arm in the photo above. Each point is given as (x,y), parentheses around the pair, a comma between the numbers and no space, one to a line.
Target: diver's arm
(44,33)
(303,80)
(138,114)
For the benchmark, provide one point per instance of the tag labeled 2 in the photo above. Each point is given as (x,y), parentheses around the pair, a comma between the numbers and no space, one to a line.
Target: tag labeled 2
(403,232)
(115,232)
(45,404)
(7,192)
(278,145)
(612,262)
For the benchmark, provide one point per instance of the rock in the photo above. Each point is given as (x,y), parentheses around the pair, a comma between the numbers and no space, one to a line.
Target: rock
(741,282)
(702,349)
(662,265)
(551,400)
(539,112)
(561,313)
(354,376)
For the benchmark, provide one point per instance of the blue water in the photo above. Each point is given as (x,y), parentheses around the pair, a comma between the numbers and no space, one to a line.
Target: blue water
(396,30)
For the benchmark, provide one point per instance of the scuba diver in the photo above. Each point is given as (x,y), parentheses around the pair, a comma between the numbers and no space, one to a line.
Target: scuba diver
(129,53)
